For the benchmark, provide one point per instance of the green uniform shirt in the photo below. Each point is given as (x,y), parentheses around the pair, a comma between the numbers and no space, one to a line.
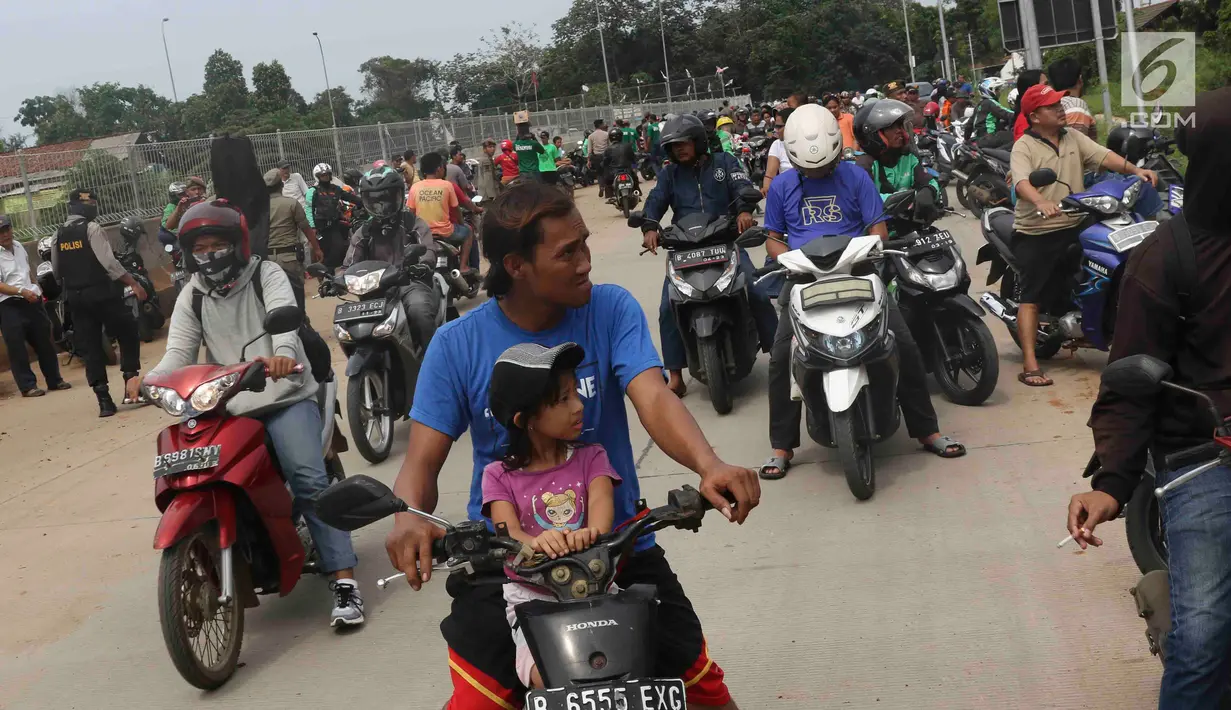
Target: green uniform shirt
(728,145)
(630,135)
(899,177)
(166,214)
(547,160)
(528,151)
(652,131)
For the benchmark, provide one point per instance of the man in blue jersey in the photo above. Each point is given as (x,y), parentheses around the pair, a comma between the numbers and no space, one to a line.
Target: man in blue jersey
(539,280)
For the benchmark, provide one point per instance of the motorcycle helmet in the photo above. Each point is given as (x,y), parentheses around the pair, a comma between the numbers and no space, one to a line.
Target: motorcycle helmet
(987,89)
(932,109)
(83,202)
(1132,144)
(322,169)
(379,164)
(506,145)
(45,246)
(812,137)
(872,93)
(724,121)
(175,191)
(351,177)
(132,229)
(684,128)
(615,135)
(383,192)
(1013,97)
(220,269)
(876,117)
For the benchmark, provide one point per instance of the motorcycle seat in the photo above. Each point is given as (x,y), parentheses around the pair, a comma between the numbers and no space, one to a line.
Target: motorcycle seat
(1002,156)
(452,240)
(1001,222)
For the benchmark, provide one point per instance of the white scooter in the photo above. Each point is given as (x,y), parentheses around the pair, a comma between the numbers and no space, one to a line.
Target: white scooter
(844,359)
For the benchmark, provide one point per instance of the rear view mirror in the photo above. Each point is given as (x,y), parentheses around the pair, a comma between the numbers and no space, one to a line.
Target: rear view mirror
(1043,177)
(414,252)
(318,270)
(285,319)
(357,501)
(895,202)
(636,219)
(1135,375)
(753,237)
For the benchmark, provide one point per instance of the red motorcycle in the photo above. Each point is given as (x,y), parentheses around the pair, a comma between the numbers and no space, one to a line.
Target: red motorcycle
(221,491)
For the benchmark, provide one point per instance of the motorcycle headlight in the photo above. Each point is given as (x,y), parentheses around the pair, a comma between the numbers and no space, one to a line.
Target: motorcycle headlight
(1102,203)
(728,274)
(208,394)
(679,282)
(1132,193)
(935,282)
(341,333)
(843,347)
(360,285)
(385,327)
(166,398)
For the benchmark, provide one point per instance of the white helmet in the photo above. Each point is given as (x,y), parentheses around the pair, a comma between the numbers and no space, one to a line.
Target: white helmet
(872,93)
(812,137)
(1013,97)
(321,168)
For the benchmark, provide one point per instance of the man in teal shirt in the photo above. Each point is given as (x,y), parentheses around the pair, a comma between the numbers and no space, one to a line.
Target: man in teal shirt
(883,132)
(548,160)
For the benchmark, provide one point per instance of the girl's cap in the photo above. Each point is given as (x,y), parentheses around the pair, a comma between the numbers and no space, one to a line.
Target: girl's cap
(522,374)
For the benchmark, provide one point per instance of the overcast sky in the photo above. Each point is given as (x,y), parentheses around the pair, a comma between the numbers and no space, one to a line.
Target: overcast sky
(57,44)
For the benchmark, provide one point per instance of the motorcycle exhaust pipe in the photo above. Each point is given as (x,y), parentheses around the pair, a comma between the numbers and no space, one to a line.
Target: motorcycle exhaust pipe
(961,175)
(998,308)
(457,281)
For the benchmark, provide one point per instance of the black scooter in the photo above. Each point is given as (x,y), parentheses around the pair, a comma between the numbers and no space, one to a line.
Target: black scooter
(593,648)
(709,297)
(147,313)
(627,196)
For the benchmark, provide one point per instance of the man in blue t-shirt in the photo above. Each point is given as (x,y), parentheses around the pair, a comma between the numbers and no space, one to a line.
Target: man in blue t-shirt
(535,240)
(834,198)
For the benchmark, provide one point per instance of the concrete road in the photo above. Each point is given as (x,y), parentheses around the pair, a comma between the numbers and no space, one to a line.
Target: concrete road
(944,591)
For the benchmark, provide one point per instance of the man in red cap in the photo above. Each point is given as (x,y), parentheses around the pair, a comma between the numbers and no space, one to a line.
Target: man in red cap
(1043,232)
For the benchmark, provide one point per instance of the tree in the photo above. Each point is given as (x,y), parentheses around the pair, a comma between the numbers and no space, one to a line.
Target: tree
(343,106)
(13,141)
(510,60)
(398,89)
(272,90)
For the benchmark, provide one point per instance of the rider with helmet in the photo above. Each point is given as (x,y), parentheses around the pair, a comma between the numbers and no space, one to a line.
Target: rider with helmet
(507,162)
(222,308)
(325,214)
(992,120)
(620,156)
(353,213)
(697,181)
(884,132)
(709,120)
(823,197)
(192,193)
(386,236)
(724,127)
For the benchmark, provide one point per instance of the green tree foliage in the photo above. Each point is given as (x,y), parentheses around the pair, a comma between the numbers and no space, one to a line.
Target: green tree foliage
(272,90)
(398,89)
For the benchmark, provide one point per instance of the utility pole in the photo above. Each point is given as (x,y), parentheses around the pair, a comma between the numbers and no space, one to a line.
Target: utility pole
(167,52)
(944,38)
(603,48)
(1101,53)
(971,45)
(1030,36)
(909,54)
(328,87)
(662,28)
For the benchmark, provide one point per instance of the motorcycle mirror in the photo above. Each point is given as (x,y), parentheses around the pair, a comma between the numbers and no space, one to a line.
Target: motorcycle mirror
(477,199)
(1043,177)
(753,237)
(318,270)
(169,248)
(357,501)
(283,320)
(895,202)
(636,219)
(1135,375)
(414,252)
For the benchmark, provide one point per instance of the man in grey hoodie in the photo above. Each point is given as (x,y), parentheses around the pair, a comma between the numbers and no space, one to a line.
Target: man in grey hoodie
(231,313)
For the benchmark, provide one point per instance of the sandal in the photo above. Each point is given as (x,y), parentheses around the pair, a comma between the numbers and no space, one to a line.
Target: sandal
(945,447)
(1025,377)
(782,463)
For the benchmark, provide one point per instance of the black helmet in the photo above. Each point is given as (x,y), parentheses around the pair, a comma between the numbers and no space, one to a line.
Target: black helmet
(709,119)
(383,192)
(131,230)
(876,117)
(683,128)
(352,176)
(615,135)
(1130,143)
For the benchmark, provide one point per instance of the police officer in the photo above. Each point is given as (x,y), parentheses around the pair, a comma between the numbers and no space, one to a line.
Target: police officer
(83,261)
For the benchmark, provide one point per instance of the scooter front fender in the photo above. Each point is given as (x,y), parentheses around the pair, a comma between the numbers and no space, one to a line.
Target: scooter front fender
(366,354)
(190,510)
(843,385)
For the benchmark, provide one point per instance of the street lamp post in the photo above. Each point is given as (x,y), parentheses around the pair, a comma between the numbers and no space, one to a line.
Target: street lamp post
(944,38)
(328,86)
(167,53)
(910,57)
(602,46)
(662,28)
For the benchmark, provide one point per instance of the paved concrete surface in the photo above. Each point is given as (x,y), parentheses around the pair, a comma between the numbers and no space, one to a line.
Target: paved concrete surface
(943,591)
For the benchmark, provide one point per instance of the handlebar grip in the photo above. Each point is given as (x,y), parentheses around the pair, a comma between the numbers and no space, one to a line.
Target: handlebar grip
(438,549)
(896,243)
(769,268)
(1192,455)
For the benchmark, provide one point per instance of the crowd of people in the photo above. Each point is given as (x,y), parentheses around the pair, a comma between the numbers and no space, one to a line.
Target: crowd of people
(511,372)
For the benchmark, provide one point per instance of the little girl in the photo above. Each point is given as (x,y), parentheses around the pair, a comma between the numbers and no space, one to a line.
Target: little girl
(553,493)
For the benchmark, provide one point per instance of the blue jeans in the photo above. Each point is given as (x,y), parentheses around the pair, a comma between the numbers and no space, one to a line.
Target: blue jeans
(1197,520)
(295,432)
(675,356)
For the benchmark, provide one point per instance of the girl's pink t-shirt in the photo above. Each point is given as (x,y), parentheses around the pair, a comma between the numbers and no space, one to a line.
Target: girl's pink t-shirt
(554,499)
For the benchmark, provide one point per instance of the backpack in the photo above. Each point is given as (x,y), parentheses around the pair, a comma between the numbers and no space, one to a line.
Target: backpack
(314,346)
(326,206)
(1181,263)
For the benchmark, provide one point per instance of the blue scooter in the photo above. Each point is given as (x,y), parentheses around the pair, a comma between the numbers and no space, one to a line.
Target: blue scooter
(1117,212)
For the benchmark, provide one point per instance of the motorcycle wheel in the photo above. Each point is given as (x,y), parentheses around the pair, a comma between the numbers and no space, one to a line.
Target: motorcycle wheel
(715,374)
(372,431)
(959,188)
(1143,525)
(144,334)
(624,209)
(987,182)
(856,456)
(203,637)
(979,361)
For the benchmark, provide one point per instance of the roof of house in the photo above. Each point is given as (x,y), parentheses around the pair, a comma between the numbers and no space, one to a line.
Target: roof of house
(45,158)
(1144,16)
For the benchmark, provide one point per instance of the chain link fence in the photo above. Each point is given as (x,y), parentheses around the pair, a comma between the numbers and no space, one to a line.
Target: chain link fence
(132,178)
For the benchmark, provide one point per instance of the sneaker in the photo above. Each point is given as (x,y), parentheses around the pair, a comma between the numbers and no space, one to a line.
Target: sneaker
(347,603)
